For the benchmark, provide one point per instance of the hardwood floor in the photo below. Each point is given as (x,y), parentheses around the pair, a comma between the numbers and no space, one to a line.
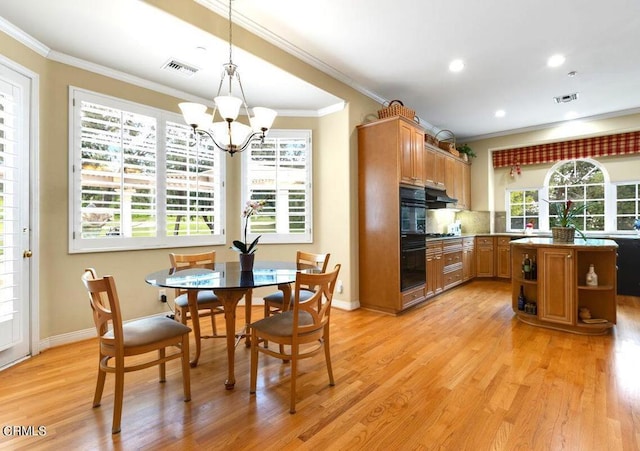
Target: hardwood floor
(457,373)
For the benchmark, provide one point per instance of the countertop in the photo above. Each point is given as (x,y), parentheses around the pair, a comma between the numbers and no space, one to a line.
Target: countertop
(578,242)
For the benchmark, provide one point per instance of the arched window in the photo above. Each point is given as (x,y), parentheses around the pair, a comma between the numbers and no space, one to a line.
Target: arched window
(583,182)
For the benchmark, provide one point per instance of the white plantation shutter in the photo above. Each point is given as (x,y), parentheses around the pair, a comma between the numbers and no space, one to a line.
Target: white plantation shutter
(139,179)
(193,184)
(10,331)
(278,173)
(118,173)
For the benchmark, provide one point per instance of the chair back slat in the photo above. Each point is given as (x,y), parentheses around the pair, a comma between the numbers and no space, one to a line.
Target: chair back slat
(318,306)
(306,259)
(105,304)
(202,260)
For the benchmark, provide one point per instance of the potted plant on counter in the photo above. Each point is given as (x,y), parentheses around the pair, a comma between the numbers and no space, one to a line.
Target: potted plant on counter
(466,152)
(565,215)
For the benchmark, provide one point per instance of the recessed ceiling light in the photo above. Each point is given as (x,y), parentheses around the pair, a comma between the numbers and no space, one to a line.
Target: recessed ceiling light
(556,60)
(500,113)
(456,65)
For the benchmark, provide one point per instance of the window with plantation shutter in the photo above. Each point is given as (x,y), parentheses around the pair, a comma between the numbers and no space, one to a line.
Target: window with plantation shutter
(139,179)
(278,173)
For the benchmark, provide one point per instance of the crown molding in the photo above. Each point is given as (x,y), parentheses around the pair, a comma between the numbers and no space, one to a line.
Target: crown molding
(222,9)
(23,38)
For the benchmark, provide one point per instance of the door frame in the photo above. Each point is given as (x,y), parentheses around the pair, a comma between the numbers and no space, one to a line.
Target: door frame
(34,202)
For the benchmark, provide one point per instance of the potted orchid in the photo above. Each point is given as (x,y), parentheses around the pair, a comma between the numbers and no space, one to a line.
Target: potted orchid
(247,250)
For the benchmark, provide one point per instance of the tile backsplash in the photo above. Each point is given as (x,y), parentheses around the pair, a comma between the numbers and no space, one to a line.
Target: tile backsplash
(472,221)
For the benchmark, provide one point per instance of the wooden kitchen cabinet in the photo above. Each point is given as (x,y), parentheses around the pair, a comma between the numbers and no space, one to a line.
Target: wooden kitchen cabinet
(468,258)
(411,154)
(439,169)
(503,257)
(452,262)
(465,194)
(485,256)
(560,290)
(384,147)
(435,282)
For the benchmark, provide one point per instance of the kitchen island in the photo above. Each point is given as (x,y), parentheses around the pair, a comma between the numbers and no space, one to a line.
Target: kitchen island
(558,294)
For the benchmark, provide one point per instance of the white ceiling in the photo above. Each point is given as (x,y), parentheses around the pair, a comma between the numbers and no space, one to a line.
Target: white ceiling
(387,49)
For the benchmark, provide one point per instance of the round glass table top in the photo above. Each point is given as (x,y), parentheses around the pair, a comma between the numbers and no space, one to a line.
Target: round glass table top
(226,275)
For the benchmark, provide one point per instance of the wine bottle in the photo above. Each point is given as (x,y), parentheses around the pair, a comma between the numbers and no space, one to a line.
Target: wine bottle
(534,269)
(521,299)
(527,267)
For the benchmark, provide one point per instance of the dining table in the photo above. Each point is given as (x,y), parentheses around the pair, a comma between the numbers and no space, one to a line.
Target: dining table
(230,285)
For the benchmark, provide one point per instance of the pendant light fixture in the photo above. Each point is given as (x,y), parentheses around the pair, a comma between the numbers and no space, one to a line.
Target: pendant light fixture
(228,134)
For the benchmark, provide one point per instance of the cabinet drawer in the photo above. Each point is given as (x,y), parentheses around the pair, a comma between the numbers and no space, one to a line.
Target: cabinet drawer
(452,258)
(504,241)
(452,278)
(484,241)
(412,296)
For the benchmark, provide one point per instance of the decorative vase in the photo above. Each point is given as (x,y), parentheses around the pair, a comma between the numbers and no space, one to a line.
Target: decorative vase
(563,234)
(246,262)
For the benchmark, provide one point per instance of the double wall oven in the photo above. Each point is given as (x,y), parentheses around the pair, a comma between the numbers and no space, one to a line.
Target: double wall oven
(413,226)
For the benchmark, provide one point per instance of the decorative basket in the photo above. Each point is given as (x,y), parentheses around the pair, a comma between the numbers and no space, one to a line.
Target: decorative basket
(563,234)
(396,108)
(449,143)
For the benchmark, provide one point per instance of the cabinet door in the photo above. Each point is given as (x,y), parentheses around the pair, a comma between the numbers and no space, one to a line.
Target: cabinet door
(431,274)
(439,159)
(450,176)
(406,146)
(466,186)
(418,156)
(468,262)
(429,167)
(503,263)
(556,285)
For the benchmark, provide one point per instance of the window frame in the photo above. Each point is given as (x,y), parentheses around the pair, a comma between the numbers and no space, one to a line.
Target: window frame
(283,238)
(76,244)
(610,201)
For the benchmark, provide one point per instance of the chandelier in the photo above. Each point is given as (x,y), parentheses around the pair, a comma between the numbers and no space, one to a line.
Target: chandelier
(228,134)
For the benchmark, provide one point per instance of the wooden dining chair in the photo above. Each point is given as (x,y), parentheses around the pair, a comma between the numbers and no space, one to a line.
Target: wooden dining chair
(119,341)
(208,303)
(304,329)
(273,303)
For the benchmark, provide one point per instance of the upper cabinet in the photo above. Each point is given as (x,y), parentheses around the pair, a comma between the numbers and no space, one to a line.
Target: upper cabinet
(451,173)
(411,154)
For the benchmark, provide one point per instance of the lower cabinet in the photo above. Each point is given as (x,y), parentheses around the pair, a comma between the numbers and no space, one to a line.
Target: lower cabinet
(503,257)
(435,283)
(452,266)
(468,258)
(485,256)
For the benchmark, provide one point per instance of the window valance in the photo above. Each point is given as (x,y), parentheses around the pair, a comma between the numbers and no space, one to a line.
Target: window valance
(600,146)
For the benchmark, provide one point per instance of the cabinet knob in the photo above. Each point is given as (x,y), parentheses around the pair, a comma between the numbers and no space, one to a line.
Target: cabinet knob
(568,255)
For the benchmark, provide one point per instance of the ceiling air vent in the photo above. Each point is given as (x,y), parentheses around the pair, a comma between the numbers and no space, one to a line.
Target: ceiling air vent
(566,98)
(180,68)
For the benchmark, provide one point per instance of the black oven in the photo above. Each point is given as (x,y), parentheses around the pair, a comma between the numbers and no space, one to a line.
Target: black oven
(413,210)
(413,261)
(413,226)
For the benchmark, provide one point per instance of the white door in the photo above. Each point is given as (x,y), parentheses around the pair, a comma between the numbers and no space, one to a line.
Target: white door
(15,253)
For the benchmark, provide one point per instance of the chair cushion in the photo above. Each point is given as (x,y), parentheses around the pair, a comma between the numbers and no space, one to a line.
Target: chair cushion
(276,298)
(149,330)
(281,325)
(204,297)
